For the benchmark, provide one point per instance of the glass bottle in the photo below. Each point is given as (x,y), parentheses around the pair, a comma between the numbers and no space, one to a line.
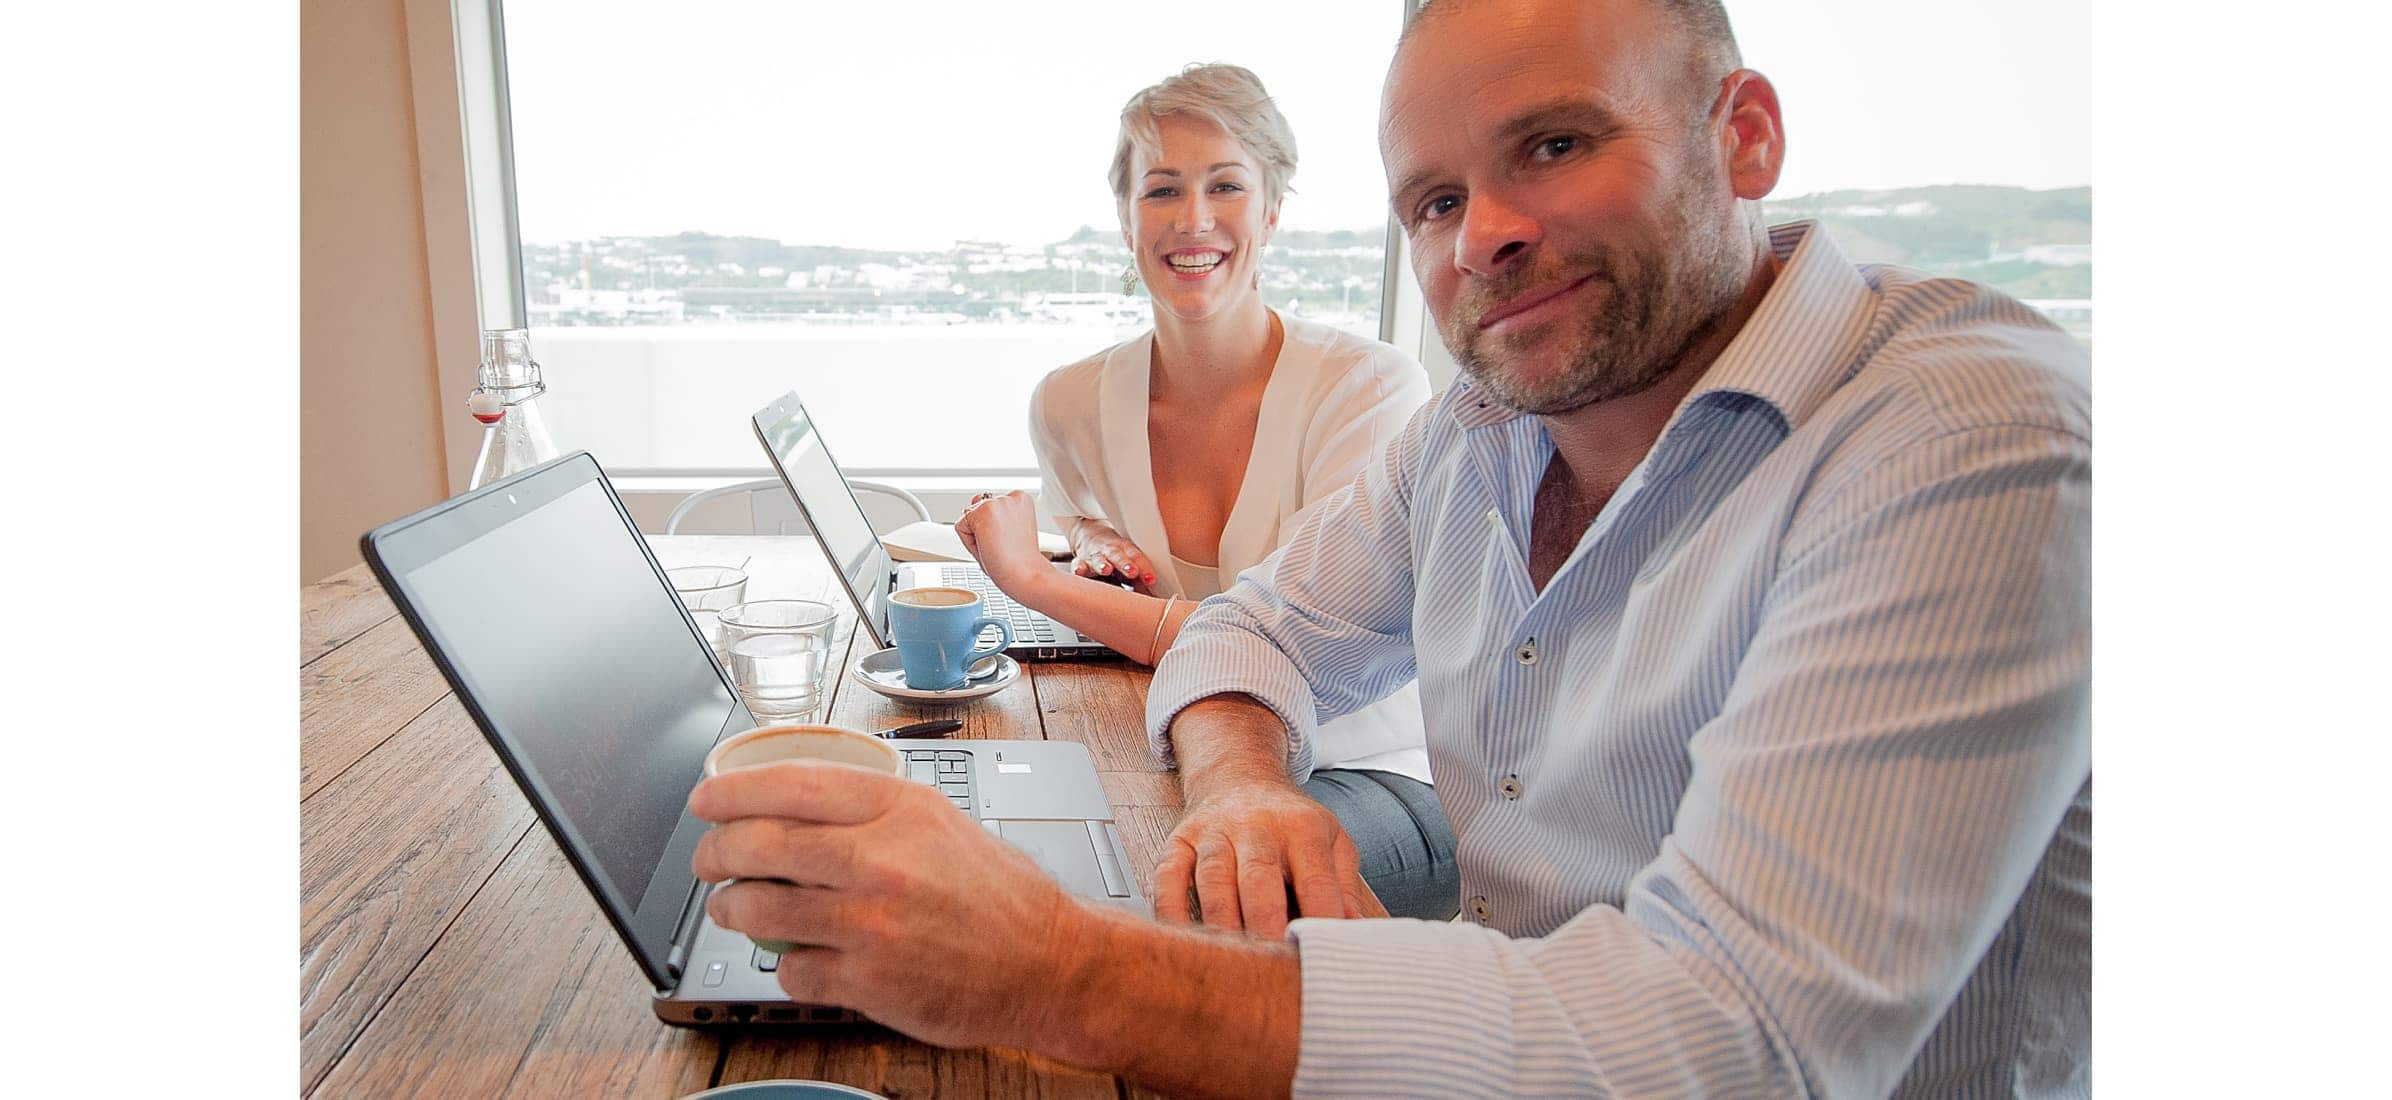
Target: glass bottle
(506,398)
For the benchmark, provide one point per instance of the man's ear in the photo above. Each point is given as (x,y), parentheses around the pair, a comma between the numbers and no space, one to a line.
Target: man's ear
(1752,136)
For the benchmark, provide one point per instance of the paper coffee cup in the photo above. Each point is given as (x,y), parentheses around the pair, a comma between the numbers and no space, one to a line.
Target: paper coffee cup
(775,744)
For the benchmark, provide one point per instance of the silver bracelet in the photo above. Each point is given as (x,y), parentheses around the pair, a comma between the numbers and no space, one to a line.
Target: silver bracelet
(1154,646)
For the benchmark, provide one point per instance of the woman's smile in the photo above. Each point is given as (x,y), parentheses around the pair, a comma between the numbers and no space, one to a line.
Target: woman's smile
(1193,264)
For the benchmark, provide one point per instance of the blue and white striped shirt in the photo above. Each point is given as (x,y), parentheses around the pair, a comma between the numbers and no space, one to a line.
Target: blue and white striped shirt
(1782,786)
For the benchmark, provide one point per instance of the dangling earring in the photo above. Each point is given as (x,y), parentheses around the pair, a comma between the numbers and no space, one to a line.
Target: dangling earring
(1266,250)
(1129,279)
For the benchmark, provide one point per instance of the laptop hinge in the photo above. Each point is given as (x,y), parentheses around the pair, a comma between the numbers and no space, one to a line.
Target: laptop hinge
(693,913)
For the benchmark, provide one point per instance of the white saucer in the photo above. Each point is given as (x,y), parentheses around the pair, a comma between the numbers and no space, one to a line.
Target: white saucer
(884,673)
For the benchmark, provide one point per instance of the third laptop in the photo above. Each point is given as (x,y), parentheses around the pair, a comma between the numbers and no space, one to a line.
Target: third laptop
(792,440)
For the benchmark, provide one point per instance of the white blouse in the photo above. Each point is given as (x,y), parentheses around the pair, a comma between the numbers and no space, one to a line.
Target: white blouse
(1197,582)
(1332,400)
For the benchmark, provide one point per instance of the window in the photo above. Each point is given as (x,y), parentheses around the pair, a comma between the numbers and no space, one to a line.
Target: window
(1953,137)
(900,211)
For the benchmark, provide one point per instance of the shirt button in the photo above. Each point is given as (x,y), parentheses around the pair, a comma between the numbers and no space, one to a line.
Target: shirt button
(1510,787)
(1479,907)
(1527,653)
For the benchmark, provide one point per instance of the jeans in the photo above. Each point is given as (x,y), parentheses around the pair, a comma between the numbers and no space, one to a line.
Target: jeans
(1401,834)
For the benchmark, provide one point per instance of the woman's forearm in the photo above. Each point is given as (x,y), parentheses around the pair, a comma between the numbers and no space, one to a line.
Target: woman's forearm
(1109,613)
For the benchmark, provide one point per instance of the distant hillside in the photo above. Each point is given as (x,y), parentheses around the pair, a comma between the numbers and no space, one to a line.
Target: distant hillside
(2032,244)
(705,250)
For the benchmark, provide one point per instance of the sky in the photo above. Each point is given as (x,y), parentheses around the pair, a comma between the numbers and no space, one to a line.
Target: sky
(913,125)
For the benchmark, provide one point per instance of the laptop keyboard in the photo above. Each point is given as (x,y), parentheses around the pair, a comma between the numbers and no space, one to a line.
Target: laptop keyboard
(1029,627)
(947,769)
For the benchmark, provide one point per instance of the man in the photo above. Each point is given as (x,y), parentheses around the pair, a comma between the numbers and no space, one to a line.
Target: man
(1747,591)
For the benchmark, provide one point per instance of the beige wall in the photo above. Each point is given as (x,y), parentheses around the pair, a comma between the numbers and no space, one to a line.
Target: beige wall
(369,435)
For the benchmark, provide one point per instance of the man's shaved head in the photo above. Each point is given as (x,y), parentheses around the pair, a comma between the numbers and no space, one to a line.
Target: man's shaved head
(1579,181)
(1703,22)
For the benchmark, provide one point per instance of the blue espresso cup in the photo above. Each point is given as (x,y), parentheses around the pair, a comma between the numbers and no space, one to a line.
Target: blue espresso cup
(935,630)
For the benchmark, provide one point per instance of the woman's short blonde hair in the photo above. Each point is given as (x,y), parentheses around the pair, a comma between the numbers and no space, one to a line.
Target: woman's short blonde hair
(1227,96)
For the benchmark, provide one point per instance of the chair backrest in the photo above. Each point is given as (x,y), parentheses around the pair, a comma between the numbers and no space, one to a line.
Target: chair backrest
(772,512)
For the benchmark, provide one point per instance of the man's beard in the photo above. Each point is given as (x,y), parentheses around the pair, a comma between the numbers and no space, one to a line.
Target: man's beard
(1653,305)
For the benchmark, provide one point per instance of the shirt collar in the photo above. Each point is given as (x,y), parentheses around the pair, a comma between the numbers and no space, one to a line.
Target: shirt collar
(1796,348)
(1792,353)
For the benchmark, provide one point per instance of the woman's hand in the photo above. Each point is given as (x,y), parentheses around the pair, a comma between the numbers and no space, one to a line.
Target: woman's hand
(1002,534)
(1102,552)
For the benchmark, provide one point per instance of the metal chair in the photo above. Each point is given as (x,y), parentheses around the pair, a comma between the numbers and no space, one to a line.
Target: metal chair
(771,512)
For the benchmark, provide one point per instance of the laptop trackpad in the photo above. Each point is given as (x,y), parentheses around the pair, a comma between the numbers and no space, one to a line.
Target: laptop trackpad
(1062,847)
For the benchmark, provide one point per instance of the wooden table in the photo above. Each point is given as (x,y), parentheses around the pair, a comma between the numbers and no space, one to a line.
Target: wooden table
(446,948)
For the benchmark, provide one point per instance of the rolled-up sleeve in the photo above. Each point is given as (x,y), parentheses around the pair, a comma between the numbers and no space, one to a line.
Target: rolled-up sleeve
(1903,739)
(1322,627)
(1063,489)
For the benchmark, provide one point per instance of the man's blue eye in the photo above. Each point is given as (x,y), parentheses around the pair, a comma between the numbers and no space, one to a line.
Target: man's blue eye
(1439,207)
(1555,147)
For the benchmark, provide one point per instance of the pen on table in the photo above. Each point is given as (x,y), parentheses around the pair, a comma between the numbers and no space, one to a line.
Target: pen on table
(939,728)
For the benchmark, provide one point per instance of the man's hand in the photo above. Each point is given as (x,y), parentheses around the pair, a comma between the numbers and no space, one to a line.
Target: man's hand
(1002,534)
(1246,848)
(1102,552)
(904,909)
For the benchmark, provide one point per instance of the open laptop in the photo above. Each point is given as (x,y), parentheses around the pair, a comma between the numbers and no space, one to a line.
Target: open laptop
(542,605)
(863,565)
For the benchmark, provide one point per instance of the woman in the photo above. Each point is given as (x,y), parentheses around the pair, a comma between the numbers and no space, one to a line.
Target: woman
(1189,453)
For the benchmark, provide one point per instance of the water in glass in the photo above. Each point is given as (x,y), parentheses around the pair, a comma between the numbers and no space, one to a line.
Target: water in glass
(780,675)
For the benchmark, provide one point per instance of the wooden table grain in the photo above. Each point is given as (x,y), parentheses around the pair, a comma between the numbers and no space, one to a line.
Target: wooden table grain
(447,949)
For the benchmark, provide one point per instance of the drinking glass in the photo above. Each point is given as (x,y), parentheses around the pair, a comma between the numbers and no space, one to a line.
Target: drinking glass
(778,652)
(706,590)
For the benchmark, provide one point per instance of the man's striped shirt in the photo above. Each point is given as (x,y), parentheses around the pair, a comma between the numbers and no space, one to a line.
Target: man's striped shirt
(1782,785)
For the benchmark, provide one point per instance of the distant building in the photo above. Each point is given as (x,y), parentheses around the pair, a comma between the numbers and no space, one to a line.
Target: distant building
(1088,308)
(2066,312)
(2058,255)
(576,303)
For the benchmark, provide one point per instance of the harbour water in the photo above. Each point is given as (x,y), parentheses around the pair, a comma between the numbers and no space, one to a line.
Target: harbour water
(896,396)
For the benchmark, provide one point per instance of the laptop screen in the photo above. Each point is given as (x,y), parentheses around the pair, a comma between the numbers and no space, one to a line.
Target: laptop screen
(554,624)
(806,466)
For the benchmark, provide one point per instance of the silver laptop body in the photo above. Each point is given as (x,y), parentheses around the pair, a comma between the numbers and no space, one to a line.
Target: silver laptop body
(511,586)
(794,444)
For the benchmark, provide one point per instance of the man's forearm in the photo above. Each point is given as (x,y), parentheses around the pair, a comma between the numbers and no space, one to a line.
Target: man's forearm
(1186,1012)
(1227,740)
